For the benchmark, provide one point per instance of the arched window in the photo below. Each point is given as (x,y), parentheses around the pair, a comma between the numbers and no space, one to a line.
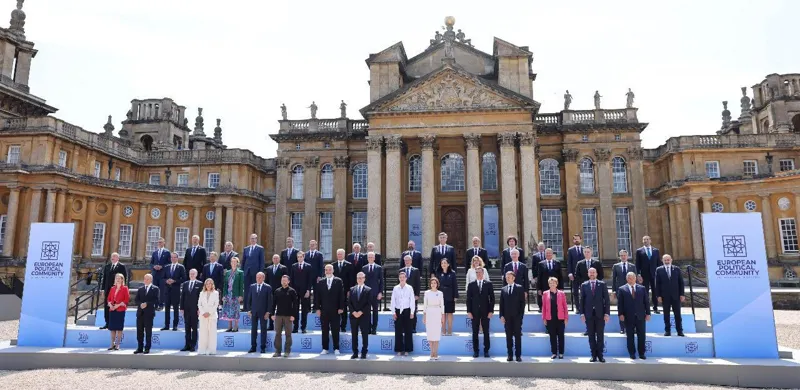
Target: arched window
(297,182)
(326,181)
(549,177)
(415,174)
(452,173)
(620,175)
(360,181)
(489,172)
(587,176)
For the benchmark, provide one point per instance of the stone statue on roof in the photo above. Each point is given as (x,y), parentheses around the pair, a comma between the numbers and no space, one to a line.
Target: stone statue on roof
(567,100)
(313,108)
(629,96)
(597,100)
(284,115)
(343,109)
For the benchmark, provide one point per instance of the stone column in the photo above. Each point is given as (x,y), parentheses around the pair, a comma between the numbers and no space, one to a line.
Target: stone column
(310,193)
(508,185)
(50,207)
(374,195)
(141,234)
(229,210)
(219,240)
(340,166)
(169,235)
(732,206)
(61,205)
(697,230)
(11,221)
(35,211)
(251,218)
(88,231)
(428,194)
(639,224)
(281,193)
(196,222)
(797,208)
(394,188)
(666,245)
(769,225)
(530,196)
(474,211)
(115,212)
(574,218)
(707,204)
(673,228)
(608,231)
(259,225)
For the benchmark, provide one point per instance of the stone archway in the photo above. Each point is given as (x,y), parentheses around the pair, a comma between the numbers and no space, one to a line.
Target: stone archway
(147,142)
(796,123)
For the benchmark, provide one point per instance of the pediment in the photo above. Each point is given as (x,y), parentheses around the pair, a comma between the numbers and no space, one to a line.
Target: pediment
(472,60)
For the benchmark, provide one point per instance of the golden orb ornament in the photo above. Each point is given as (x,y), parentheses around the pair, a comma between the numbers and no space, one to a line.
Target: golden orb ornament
(449,21)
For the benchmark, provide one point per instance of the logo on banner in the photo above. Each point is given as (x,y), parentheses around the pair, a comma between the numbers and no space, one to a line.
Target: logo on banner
(269,343)
(648,346)
(246,320)
(180,320)
(346,344)
(305,343)
(228,342)
(605,346)
(468,346)
(386,345)
(48,265)
(83,338)
(391,324)
(156,339)
(692,347)
(469,323)
(317,322)
(734,246)
(671,322)
(426,346)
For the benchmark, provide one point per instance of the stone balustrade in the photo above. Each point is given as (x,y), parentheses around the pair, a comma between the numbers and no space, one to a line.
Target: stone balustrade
(322,125)
(767,140)
(570,117)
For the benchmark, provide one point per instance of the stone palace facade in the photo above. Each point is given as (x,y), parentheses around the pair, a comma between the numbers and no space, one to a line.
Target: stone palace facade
(452,141)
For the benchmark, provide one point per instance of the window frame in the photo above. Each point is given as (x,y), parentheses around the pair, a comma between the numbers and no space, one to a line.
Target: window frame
(714,164)
(586,177)
(360,181)
(182,175)
(152,182)
(552,167)
(298,174)
(755,167)
(98,243)
(122,242)
(489,172)
(14,154)
(327,182)
(211,179)
(784,238)
(452,173)
(176,242)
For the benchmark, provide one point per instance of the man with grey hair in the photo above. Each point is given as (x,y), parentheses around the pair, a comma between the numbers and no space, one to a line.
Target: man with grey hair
(260,306)
(374,279)
(195,257)
(147,298)
(634,310)
(345,271)
(619,273)
(227,255)
(109,273)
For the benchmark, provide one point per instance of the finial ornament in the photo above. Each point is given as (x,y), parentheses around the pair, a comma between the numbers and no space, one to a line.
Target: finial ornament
(109,127)
(726,115)
(198,123)
(218,131)
(18,19)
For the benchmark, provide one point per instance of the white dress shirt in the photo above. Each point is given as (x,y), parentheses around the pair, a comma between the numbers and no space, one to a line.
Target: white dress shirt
(402,297)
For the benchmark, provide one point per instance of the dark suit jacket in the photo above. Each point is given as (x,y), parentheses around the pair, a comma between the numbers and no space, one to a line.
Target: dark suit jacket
(346,273)
(480,302)
(317,262)
(481,252)
(535,260)
(435,266)
(179,276)
(361,260)
(448,284)
(195,262)
(414,280)
(521,275)
(545,273)
(274,276)
(108,275)
(512,305)
(646,266)
(225,259)
(378,259)
(506,256)
(260,303)
(374,279)
(582,270)
(252,261)
(597,303)
(288,259)
(216,275)
(573,257)
(302,278)
(363,303)
(618,275)
(631,307)
(162,261)
(151,299)
(669,287)
(188,301)
(416,258)
(329,301)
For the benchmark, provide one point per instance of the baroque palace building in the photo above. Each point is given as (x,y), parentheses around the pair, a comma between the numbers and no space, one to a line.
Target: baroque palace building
(452,141)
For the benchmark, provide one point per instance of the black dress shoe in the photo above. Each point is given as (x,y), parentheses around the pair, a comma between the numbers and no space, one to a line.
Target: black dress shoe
(554,357)
(642,357)
(251,350)
(585,333)
(165,328)
(593,359)
(303,331)
(633,357)
(104,327)
(667,334)
(656,311)
(263,350)
(680,334)
(601,359)
(560,356)
(510,359)
(184,349)
(271,328)
(146,351)
(229,330)
(373,332)
(138,351)
(363,355)
(354,356)
(486,354)
(622,332)
(174,328)
(474,354)
(191,349)
(519,358)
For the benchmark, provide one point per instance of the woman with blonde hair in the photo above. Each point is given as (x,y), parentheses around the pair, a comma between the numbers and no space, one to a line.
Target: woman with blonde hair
(477,262)
(118,298)
(207,312)
(433,316)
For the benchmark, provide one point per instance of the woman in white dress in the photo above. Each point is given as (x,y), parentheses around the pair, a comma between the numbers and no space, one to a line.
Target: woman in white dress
(433,316)
(477,262)
(207,312)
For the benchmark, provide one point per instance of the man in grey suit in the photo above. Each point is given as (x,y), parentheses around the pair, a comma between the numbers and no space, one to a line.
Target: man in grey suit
(252,264)
(619,274)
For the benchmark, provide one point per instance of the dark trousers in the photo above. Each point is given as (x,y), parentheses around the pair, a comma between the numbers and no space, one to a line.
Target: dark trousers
(344,315)
(172,303)
(514,335)
(403,340)
(144,329)
(301,319)
(555,328)
(650,283)
(248,280)
(375,305)
(413,321)
(674,306)
(105,306)
(190,321)
(539,302)
(256,320)
(330,324)
(363,325)
(479,321)
(596,328)
(635,326)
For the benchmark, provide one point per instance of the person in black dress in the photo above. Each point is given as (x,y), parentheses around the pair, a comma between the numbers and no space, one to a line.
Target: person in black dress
(449,286)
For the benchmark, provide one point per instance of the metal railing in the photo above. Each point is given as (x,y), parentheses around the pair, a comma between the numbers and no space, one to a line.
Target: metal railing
(699,278)
(11,284)
(92,294)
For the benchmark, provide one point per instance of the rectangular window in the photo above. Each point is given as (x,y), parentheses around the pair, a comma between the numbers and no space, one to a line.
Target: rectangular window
(117,174)
(2,230)
(13,154)
(326,180)
(98,166)
(712,169)
(208,240)
(590,238)
(155,179)
(153,234)
(183,180)
(750,167)
(359,234)
(297,229)
(623,224)
(125,239)
(181,240)
(788,235)
(553,231)
(62,159)
(326,234)
(213,180)
(786,164)
(98,238)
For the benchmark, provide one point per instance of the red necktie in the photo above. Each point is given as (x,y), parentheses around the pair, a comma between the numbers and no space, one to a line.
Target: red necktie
(592,287)
(515,268)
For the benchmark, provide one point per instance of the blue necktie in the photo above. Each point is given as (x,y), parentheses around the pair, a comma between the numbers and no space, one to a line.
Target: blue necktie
(648,252)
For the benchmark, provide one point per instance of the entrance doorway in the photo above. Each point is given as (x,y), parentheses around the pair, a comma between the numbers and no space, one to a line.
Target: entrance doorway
(455,225)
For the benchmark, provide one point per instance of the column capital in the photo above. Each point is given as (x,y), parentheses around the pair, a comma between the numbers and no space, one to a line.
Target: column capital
(341,162)
(427,141)
(570,155)
(311,162)
(602,154)
(171,206)
(394,142)
(763,195)
(15,187)
(282,162)
(374,142)
(472,140)
(527,138)
(144,205)
(506,140)
(635,153)
(197,207)
(116,202)
(91,199)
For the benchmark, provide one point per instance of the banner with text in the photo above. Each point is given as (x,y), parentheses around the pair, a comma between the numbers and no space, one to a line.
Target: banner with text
(740,299)
(43,321)
(491,231)
(415,228)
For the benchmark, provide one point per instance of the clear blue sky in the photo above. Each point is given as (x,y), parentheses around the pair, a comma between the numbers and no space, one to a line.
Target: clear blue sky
(241,60)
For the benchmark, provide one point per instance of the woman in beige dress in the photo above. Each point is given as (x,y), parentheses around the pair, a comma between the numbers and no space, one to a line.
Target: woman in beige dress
(207,307)
(433,316)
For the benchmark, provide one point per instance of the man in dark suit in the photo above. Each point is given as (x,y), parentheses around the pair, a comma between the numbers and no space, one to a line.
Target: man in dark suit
(214,271)
(316,259)
(195,257)
(274,274)
(361,303)
(416,256)
(582,271)
(648,259)
(374,279)
(289,255)
(302,279)
(574,255)
(634,310)
(227,255)
(536,258)
(439,252)
(147,297)
(357,259)
(511,241)
(159,259)
(619,275)
(476,250)
(260,306)
(174,275)
(345,271)
(550,267)
(329,303)
(190,295)
(109,273)
(512,309)
(378,258)
(670,292)
(413,278)
(595,310)
(480,307)
(252,264)
(520,271)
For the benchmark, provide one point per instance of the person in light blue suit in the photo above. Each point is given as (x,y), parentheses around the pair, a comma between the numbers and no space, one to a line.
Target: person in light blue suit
(252,264)
(159,260)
